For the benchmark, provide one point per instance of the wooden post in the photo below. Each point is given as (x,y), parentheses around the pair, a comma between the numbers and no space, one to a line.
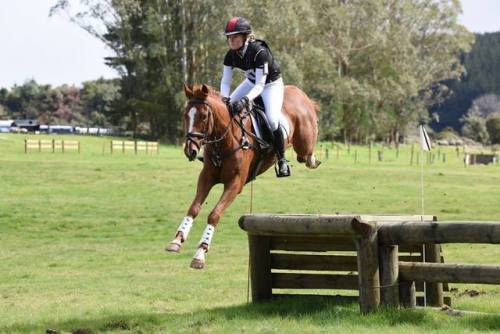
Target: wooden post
(135,147)
(370,154)
(368,266)
(389,275)
(62,144)
(78,147)
(411,157)
(39,145)
(111,147)
(434,291)
(53,145)
(407,294)
(158,147)
(123,146)
(326,153)
(260,267)
(26,146)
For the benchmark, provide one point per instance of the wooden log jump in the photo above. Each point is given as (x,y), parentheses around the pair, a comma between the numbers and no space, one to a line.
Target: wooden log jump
(296,252)
(275,262)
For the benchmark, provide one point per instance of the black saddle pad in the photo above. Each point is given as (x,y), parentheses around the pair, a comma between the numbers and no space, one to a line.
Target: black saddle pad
(259,114)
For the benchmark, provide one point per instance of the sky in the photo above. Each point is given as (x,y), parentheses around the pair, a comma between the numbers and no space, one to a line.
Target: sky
(52,50)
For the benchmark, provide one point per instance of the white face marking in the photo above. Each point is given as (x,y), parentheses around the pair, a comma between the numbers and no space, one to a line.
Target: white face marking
(191,114)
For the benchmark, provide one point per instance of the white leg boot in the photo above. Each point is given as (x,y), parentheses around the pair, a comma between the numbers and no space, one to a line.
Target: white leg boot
(198,261)
(181,235)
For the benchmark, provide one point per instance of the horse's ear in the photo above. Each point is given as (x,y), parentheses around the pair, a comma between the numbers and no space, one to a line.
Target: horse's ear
(205,90)
(188,91)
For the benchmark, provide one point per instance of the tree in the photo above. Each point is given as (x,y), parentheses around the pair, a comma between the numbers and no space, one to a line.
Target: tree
(493,127)
(486,104)
(475,127)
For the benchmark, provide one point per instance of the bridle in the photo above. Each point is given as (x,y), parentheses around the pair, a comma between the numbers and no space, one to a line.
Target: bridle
(204,135)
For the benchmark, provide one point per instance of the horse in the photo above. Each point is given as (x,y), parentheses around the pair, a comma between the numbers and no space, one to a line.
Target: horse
(209,124)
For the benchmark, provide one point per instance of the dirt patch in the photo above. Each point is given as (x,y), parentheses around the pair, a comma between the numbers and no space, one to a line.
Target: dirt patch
(467,292)
(118,324)
(82,331)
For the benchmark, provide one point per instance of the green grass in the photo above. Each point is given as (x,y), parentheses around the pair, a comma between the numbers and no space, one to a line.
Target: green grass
(82,239)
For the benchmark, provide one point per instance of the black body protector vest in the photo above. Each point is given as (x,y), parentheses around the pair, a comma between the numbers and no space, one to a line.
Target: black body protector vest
(256,54)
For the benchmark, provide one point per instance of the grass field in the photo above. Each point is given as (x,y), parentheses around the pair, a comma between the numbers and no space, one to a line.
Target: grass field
(82,239)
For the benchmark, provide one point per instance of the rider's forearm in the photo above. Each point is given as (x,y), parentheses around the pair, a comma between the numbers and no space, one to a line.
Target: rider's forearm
(260,82)
(225,83)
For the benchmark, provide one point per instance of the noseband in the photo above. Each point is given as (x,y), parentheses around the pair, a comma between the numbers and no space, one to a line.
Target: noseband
(191,136)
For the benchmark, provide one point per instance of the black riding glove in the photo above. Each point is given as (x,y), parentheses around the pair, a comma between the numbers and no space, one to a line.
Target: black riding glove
(226,100)
(239,106)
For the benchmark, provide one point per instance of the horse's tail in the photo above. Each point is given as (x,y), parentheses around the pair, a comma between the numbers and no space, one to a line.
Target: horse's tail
(317,106)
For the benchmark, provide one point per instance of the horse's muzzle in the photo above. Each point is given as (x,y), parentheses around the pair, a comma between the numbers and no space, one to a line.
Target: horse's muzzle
(190,151)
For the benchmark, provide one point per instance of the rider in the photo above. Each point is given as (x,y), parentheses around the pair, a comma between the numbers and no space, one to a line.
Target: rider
(263,77)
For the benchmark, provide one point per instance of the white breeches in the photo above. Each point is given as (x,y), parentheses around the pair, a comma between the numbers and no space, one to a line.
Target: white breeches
(272,95)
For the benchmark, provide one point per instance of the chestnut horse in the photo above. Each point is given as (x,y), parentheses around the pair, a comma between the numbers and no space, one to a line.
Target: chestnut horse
(208,123)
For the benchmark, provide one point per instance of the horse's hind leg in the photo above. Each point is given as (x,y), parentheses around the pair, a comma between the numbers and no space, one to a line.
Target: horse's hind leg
(205,183)
(304,142)
(312,162)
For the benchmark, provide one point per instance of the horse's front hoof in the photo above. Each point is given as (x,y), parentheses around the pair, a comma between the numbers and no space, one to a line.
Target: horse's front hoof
(173,247)
(197,264)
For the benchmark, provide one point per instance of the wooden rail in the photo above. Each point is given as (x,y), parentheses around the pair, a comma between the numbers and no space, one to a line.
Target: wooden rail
(51,145)
(301,252)
(134,145)
(338,252)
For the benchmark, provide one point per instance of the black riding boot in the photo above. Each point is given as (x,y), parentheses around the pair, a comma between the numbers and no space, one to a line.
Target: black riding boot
(279,148)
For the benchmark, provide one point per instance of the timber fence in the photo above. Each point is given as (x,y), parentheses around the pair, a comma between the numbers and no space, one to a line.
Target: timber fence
(388,257)
(51,145)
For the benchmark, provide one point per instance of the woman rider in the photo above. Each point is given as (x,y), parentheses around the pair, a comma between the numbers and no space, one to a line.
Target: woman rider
(263,77)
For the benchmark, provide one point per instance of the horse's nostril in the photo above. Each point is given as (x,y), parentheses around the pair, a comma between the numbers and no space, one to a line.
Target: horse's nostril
(192,154)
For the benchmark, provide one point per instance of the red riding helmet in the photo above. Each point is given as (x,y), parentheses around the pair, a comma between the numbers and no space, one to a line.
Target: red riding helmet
(237,25)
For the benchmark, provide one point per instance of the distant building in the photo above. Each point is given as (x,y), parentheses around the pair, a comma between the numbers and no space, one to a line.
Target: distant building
(93,131)
(57,129)
(5,125)
(28,124)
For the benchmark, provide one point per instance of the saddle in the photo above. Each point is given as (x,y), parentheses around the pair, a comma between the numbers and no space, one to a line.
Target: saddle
(261,125)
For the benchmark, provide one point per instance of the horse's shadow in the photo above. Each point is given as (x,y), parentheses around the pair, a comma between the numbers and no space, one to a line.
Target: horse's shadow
(318,311)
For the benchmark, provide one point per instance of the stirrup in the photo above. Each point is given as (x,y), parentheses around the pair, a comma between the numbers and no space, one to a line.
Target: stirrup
(277,168)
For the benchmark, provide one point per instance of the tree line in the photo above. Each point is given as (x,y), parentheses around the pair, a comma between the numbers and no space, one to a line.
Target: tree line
(474,106)
(91,105)
(375,67)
